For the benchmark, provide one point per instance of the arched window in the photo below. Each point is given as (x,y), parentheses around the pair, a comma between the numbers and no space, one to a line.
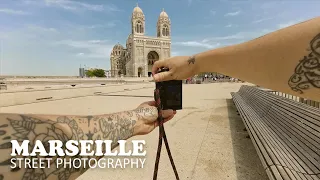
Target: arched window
(139,27)
(165,30)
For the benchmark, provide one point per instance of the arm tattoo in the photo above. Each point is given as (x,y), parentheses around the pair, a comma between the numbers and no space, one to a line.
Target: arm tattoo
(307,73)
(24,127)
(192,60)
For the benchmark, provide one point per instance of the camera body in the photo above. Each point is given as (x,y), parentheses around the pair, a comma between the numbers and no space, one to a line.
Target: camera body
(170,93)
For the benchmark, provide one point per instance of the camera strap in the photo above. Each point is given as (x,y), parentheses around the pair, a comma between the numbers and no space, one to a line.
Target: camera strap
(162,135)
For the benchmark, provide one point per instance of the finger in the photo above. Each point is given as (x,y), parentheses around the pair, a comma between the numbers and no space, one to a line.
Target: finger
(163,76)
(158,64)
(169,118)
(164,121)
(150,103)
(167,113)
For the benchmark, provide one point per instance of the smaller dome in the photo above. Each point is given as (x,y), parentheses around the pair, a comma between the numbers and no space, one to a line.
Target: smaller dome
(163,14)
(137,9)
(118,46)
(129,38)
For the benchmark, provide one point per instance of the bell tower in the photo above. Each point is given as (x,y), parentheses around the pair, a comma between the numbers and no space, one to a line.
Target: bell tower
(163,25)
(138,21)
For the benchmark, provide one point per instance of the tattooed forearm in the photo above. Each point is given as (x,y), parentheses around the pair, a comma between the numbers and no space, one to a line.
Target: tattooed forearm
(119,126)
(307,73)
(192,60)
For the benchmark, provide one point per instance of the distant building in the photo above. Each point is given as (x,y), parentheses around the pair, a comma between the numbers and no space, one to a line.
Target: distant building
(141,51)
(108,73)
(82,72)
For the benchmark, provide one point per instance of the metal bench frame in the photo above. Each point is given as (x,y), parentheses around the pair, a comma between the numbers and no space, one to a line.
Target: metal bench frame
(285,133)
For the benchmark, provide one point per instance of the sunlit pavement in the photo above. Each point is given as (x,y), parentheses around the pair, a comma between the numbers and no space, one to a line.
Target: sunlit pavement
(207,138)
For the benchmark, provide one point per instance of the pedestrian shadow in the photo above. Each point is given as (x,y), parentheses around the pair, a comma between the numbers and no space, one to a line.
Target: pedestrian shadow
(247,163)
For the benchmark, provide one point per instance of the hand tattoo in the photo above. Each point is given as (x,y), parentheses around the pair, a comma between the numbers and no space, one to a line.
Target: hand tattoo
(24,127)
(307,73)
(192,60)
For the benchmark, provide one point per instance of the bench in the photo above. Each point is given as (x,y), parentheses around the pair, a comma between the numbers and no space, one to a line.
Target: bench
(285,133)
(3,86)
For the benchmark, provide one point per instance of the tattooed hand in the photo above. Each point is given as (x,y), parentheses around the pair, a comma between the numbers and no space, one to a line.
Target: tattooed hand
(116,126)
(147,115)
(180,67)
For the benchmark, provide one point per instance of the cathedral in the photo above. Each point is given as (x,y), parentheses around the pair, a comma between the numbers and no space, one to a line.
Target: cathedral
(137,58)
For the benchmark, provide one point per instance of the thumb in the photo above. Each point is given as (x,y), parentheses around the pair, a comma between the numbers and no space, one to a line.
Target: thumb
(158,64)
(163,76)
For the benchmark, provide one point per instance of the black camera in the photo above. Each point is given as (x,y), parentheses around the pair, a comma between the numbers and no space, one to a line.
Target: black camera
(170,93)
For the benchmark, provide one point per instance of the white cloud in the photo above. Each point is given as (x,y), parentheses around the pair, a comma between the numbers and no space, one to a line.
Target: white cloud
(69,40)
(290,23)
(98,41)
(89,48)
(31,33)
(215,42)
(108,25)
(40,29)
(13,12)
(233,13)
(203,44)
(175,53)
(207,25)
(269,4)
(74,5)
(212,12)
(261,20)
(230,25)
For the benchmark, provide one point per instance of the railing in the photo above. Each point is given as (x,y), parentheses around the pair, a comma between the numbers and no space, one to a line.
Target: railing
(296,98)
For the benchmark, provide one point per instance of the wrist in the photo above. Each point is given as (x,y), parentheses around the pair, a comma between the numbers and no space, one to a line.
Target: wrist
(199,62)
(136,128)
(122,124)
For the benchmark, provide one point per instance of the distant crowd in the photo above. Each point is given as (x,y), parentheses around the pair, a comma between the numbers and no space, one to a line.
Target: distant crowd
(210,78)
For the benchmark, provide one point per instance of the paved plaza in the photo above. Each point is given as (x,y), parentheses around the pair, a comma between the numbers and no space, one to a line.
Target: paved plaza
(207,138)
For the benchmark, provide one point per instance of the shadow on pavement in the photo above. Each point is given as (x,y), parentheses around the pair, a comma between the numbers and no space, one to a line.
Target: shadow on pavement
(247,162)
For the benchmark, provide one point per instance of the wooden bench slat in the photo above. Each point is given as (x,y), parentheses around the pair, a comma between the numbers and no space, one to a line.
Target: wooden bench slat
(285,133)
(316,143)
(271,152)
(276,157)
(293,107)
(294,150)
(276,147)
(305,139)
(315,133)
(309,111)
(270,174)
(265,159)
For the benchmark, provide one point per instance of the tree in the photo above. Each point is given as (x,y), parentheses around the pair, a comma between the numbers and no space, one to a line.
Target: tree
(95,73)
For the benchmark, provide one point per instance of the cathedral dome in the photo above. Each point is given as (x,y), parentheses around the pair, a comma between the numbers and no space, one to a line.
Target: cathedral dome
(137,9)
(117,46)
(163,14)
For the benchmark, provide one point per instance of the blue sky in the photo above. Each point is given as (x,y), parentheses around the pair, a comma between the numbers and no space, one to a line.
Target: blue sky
(55,37)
